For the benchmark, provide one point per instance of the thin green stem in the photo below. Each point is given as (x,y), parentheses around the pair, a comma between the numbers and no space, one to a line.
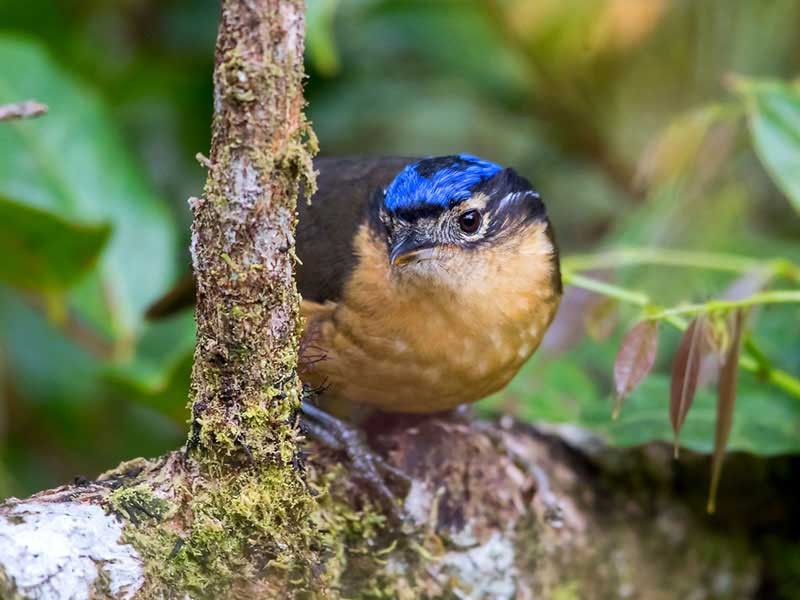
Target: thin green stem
(784,380)
(619,293)
(771,297)
(753,359)
(666,257)
(606,289)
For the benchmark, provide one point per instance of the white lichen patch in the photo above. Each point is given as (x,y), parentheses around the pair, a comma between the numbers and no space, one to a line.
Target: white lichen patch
(58,551)
(485,572)
(418,503)
(246,186)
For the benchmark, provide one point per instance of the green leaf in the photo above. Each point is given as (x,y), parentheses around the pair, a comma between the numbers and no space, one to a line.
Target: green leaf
(41,251)
(774,115)
(549,391)
(158,374)
(321,41)
(766,422)
(166,392)
(679,148)
(72,164)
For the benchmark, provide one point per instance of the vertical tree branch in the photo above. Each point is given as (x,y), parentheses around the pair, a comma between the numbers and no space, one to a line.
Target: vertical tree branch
(244,382)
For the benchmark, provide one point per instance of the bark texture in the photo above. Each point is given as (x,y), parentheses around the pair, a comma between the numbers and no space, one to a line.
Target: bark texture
(481,525)
(244,381)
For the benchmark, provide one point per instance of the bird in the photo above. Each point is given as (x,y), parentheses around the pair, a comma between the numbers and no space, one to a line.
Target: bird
(434,292)
(426,283)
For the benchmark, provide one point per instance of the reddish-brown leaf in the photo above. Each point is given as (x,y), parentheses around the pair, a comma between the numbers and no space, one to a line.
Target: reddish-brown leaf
(685,374)
(634,361)
(726,398)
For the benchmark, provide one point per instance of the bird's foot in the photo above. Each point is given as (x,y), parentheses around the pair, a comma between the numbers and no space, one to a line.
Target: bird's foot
(367,465)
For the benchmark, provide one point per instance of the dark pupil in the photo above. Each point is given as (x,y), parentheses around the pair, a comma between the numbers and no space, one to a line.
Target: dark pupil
(469,221)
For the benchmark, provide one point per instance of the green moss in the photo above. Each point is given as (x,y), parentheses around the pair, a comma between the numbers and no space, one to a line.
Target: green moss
(567,591)
(256,524)
(243,524)
(138,503)
(239,78)
(237,526)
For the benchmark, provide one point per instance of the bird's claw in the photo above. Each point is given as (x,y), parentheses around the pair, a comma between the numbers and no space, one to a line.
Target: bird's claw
(367,465)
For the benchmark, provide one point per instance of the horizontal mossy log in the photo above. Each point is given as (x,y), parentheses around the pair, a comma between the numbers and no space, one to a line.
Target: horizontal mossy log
(476,527)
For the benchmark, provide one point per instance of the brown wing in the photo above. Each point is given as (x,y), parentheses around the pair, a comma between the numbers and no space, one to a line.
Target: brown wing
(325,229)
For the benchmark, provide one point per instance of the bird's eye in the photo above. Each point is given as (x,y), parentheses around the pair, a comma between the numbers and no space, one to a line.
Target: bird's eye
(469,221)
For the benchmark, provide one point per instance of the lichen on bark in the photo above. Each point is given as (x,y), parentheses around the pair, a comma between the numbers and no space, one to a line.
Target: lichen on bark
(244,381)
(253,507)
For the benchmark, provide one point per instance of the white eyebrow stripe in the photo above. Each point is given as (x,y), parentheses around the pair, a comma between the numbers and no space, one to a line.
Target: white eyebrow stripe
(515,196)
(479,201)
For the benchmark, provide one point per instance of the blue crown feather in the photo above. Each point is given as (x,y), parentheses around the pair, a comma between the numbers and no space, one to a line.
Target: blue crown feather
(441,181)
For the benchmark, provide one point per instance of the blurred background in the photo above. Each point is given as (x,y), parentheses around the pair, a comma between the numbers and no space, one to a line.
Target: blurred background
(645,124)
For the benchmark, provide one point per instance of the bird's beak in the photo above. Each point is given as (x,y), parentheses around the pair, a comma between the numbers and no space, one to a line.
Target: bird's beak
(410,249)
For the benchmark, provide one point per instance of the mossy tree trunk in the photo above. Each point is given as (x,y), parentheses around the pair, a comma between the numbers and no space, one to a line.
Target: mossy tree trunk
(244,381)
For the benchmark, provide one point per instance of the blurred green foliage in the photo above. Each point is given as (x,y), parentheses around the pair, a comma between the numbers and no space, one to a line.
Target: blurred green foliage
(650,124)
(46,253)
(774,113)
